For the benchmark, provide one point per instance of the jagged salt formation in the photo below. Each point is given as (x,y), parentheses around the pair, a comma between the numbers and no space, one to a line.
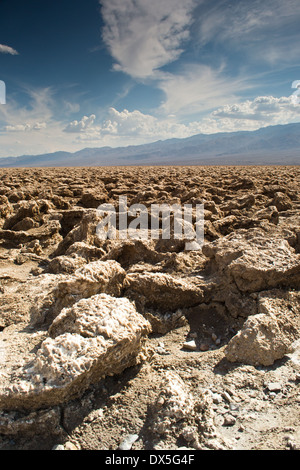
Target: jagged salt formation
(96,337)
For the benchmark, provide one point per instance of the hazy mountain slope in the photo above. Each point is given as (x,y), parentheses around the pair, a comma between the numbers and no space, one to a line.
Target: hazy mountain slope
(269,145)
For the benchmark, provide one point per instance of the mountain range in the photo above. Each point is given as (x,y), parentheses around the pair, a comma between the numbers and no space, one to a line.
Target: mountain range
(273,145)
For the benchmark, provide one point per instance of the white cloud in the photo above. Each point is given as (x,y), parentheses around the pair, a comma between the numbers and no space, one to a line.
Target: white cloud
(144,35)
(251,115)
(82,125)
(37,126)
(262,108)
(133,127)
(7,50)
(124,127)
(33,128)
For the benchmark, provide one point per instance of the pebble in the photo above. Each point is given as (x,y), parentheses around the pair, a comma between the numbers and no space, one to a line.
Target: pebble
(161,350)
(226,396)
(189,433)
(274,386)
(58,447)
(234,407)
(204,347)
(70,446)
(128,441)
(229,420)
(217,398)
(160,401)
(214,337)
(191,345)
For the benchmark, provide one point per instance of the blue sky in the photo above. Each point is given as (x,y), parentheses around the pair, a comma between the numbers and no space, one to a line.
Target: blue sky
(90,73)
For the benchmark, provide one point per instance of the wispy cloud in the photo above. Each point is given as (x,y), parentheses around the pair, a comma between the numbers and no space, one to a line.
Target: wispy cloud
(144,35)
(7,50)
(198,89)
(264,31)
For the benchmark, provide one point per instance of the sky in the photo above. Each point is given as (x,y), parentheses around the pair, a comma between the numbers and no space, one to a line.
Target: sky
(90,73)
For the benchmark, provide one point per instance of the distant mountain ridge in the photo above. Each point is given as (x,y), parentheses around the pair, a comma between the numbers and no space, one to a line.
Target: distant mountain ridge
(273,145)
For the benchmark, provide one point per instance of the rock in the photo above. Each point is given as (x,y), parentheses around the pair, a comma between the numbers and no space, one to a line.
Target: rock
(32,247)
(25,224)
(268,213)
(189,433)
(261,341)
(178,403)
(166,292)
(90,279)
(226,396)
(282,202)
(66,264)
(84,231)
(274,386)
(31,423)
(285,306)
(162,323)
(229,420)
(177,409)
(70,446)
(240,305)
(254,261)
(92,199)
(27,209)
(89,252)
(47,233)
(128,441)
(107,335)
(128,252)
(191,345)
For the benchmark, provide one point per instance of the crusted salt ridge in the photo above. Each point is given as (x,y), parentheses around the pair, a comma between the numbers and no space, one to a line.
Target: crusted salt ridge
(107,339)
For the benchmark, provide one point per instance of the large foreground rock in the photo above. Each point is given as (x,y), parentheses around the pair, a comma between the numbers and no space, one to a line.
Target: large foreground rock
(94,338)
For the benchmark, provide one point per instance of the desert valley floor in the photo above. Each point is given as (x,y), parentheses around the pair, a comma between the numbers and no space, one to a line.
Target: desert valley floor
(143,344)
